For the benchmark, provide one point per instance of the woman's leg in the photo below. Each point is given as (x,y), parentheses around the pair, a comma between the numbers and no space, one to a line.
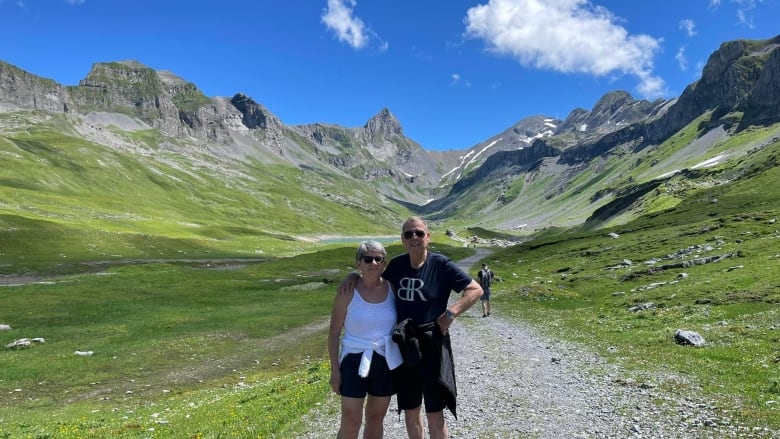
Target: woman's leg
(376,409)
(351,417)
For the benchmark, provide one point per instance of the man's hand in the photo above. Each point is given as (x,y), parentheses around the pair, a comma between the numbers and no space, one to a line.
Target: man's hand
(445,321)
(348,284)
(470,296)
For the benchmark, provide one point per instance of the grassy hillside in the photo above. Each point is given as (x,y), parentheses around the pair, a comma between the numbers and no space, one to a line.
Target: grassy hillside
(176,349)
(553,196)
(708,264)
(149,198)
(190,280)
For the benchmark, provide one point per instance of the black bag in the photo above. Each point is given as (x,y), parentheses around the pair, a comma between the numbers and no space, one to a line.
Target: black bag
(485,278)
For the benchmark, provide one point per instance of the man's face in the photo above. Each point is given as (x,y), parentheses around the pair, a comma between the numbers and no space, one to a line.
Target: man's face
(415,236)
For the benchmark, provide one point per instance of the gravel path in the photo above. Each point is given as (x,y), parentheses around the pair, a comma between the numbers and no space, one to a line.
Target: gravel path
(515,383)
(512,383)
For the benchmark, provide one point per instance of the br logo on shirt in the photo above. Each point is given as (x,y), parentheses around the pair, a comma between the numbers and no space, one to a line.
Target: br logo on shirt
(409,288)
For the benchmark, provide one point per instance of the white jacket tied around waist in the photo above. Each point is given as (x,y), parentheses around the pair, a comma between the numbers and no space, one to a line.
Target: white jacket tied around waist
(385,346)
(367,329)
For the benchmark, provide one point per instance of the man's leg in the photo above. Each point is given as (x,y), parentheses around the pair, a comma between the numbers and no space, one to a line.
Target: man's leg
(484,308)
(414,424)
(487,306)
(436,425)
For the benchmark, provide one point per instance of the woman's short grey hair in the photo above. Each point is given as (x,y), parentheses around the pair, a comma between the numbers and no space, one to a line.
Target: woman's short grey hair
(367,246)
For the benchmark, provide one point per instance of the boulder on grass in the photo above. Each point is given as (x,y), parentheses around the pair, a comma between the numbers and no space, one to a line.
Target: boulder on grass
(688,338)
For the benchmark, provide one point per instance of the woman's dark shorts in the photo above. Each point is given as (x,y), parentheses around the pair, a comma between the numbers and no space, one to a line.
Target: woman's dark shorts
(379,381)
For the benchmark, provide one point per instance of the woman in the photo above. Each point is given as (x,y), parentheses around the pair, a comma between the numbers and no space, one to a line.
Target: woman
(368,354)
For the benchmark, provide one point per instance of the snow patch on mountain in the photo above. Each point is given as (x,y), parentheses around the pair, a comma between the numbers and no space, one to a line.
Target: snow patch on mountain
(468,159)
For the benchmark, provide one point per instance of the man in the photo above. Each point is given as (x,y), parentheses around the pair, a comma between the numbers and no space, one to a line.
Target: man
(423,282)
(486,277)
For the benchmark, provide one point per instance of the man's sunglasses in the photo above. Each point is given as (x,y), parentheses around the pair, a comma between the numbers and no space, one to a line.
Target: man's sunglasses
(418,233)
(370,259)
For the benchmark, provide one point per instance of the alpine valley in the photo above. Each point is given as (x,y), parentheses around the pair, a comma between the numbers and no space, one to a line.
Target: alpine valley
(164,272)
(132,152)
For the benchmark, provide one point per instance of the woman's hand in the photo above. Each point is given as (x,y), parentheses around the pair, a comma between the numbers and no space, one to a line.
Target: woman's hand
(335,381)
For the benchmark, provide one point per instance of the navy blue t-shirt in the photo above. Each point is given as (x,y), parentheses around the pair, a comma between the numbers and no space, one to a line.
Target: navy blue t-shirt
(422,293)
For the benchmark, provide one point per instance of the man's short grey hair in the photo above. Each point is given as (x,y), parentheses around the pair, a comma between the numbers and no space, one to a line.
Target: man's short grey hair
(367,246)
(414,219)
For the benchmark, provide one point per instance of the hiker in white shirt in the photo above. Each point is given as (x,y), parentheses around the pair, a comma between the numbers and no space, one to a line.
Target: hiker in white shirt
(361,368)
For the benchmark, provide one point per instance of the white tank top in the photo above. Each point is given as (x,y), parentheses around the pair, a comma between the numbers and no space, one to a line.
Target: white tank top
(370,321)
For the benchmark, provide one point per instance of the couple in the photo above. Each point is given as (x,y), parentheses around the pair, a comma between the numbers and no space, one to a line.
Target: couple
(408,299)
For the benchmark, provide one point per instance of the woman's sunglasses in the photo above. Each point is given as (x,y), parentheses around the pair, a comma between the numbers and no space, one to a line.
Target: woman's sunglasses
(418,233)
(370,259)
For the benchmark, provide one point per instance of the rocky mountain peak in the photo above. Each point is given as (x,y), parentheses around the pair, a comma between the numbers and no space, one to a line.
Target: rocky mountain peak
(171,79)
(26,90)
(383,124)
(612,102)
(123,74)
(614,110)
(254,115)
(763,103)
(740,76)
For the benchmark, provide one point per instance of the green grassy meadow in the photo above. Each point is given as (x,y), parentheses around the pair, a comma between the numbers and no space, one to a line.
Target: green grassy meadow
(196,349)
(65,200)
(206,311)
(709,264)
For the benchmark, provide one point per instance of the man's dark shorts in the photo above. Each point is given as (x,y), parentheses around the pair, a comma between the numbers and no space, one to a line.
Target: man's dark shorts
(412,383)
(379,381)
(485,294)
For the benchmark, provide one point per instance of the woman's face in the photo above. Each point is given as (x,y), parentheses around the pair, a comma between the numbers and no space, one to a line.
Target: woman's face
(372,262)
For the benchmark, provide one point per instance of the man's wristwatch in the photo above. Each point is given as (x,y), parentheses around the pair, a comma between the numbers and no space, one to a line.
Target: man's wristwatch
(450,315)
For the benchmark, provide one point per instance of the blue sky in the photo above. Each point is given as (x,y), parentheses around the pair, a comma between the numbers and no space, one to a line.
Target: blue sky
(453,72)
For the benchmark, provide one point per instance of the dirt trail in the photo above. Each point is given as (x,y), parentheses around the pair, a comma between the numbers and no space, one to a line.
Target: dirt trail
(470,262)
(514,382)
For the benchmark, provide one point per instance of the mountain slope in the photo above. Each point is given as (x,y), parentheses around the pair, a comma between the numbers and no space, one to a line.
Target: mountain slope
(141,151)
(152,196)
(623,145)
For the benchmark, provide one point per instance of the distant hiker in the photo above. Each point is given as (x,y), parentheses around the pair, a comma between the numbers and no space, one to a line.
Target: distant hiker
(368,354)
(423,282)
(486,278)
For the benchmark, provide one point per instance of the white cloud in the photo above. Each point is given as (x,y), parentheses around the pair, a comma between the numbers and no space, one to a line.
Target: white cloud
(21,5)
(681,60)
(339,18)
(651,86)
(457,80)
(689,26)
(349,29)
(75,2)
(745,11)
(569,36)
